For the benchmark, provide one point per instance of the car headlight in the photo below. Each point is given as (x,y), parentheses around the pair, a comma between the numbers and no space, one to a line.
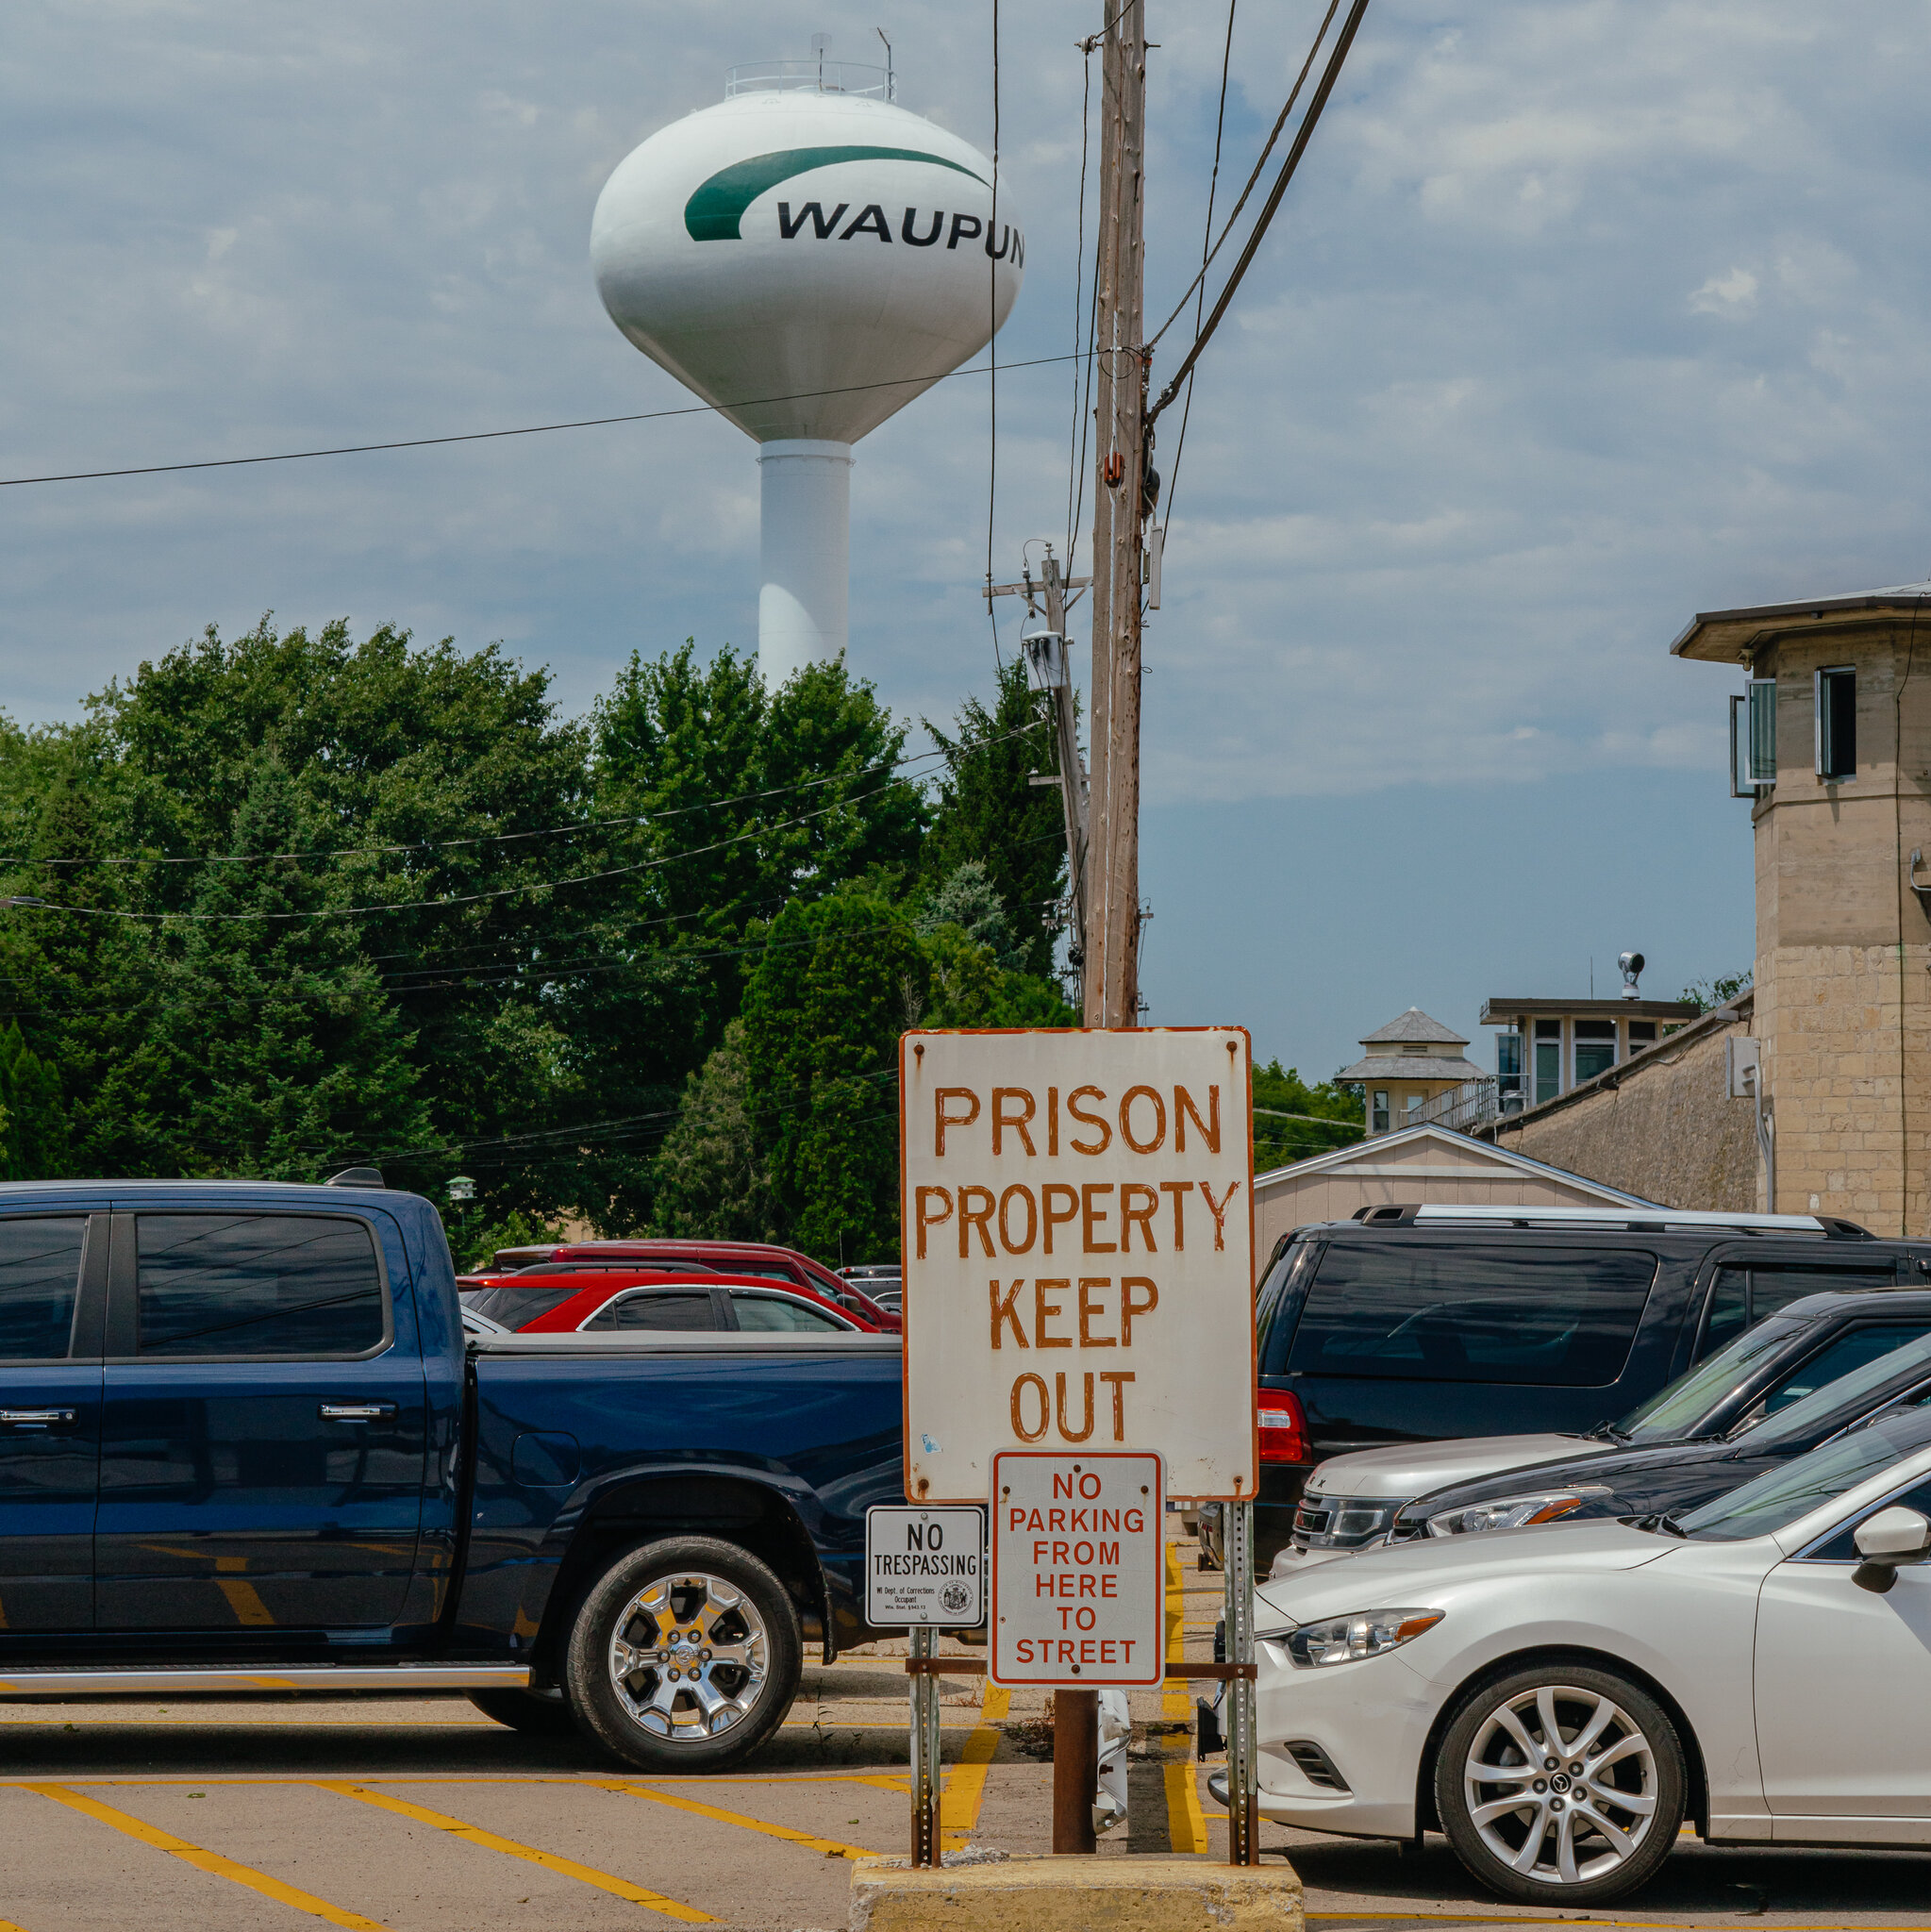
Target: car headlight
(1364,1633)
(1515,1512)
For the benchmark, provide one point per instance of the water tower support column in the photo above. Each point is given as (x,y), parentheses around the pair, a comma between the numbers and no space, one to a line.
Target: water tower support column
(805,487)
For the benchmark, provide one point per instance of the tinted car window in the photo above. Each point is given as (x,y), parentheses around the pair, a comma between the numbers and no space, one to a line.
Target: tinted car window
(514,1306)
(257,1284)
(1853,1383)
(1781,1495)
(1557,1317)
(772,1314)
(40,1279)
(1681,1409)
(1842,1547)
(1851,1350)
(1739,1297)
(649,1309)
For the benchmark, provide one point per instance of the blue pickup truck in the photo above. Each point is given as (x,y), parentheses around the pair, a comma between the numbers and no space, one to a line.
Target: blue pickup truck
(245,1445)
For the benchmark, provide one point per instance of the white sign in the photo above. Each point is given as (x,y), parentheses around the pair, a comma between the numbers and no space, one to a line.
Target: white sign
(1078,1251)
(924,1567)
(1077,1568)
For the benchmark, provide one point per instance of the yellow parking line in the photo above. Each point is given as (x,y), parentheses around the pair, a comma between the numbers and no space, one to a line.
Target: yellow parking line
(208,1862)
(569,1868)
(965,1790)
(1186,1823)
(826,1847)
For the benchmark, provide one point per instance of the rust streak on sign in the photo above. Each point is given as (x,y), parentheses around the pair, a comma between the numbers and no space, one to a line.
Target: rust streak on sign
(1078,1245)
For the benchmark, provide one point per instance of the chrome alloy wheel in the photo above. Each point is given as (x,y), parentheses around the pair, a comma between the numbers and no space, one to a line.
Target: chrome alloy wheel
(689,1657)
(1561,1784)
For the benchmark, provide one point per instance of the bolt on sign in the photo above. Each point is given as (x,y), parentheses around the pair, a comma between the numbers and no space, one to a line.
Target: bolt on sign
(1078,1253)
(1076,1556)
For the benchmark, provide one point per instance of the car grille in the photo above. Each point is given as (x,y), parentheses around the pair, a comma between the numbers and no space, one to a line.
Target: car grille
(1341,1523)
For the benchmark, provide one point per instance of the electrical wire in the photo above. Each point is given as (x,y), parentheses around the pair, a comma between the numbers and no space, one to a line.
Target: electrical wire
(993,352)
(439,904)
(1205,240)
(1073,438)
(1254,176)
(1309,121)
(356,449)
(546,832)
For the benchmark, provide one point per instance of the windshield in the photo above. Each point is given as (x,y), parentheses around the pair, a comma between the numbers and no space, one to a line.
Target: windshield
(1681,1409)
(1777,1499)
(1815,1410)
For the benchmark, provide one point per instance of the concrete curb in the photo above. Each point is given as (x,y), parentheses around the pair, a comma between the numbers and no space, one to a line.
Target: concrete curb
(1153,1893)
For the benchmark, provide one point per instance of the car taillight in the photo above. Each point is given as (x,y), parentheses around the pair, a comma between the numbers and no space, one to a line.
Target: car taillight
(1283,1426)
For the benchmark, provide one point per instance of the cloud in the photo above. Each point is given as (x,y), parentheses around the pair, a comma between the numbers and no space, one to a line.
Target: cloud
(1467,453)
(1728,294)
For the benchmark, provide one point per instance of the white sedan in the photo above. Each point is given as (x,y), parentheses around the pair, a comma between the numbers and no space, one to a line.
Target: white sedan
(1559,1701)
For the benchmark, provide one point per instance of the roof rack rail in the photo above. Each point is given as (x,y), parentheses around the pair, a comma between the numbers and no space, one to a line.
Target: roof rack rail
(1647,1219)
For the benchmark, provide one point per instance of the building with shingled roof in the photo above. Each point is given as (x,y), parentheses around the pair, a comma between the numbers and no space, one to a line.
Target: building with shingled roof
(1407,1063)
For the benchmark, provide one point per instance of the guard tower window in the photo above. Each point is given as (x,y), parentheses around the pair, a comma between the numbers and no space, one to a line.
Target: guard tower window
(1379,1124)
(1754,738)
(1836,724)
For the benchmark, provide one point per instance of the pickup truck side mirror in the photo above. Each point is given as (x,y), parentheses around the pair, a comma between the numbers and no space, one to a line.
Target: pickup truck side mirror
(1893,1535)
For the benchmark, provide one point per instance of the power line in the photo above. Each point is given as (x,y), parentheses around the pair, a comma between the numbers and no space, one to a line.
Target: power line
(992,351)
(1205,239)
(1267,148)
(356,449)
(504,838)
(1082,367)
(456,899)
(1308,121)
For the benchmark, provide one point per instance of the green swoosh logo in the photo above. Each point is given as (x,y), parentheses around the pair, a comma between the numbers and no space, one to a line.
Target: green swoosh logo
(713,212)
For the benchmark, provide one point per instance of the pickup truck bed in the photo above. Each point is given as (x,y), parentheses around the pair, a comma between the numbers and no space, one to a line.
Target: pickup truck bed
(244,1445)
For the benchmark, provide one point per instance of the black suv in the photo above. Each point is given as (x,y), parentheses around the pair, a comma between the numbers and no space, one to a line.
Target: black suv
(1423,1323)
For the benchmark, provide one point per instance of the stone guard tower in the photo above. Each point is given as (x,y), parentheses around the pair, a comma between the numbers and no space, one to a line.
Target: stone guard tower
(1831,740)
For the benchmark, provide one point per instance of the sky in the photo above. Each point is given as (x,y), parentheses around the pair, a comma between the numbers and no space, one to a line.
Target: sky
(1580,316)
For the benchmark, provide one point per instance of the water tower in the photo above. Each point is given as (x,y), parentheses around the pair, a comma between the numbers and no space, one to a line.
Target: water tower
(807,256)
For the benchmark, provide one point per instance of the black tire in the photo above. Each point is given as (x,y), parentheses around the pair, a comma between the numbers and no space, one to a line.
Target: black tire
(684,1704)
(534,1715)
(1620,1751)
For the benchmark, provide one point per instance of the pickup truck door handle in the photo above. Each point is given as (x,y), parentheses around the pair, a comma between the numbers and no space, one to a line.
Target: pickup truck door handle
(356,1411)
(38,1418)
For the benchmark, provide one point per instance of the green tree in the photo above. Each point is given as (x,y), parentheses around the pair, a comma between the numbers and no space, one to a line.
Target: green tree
(1705,993)
(833,988)
(288,1057)
(712,1182)
(1290,1118)
(989,815)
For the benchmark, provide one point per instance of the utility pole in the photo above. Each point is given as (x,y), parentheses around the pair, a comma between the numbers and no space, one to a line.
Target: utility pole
(1112,926)
(1046,652)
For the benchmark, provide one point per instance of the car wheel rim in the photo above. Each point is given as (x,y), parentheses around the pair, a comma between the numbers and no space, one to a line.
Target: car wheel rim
(689,1657)
(1560,1785)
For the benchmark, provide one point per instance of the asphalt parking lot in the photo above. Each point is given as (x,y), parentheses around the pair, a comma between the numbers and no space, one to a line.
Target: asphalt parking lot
(427,1815)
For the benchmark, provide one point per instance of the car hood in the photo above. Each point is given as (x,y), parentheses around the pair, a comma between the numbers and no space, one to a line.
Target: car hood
(1406,1470)
(1633,1481)
(1405,1573)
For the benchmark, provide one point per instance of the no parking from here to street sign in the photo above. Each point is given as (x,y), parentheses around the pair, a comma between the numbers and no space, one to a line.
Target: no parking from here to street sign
(1078,1253)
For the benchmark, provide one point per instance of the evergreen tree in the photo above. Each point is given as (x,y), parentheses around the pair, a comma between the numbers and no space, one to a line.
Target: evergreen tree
(288,1057)
(989,815)
(712,1181)
(838,980)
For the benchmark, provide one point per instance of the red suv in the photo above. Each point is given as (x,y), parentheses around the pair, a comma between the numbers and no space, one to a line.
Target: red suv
(763,1260)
